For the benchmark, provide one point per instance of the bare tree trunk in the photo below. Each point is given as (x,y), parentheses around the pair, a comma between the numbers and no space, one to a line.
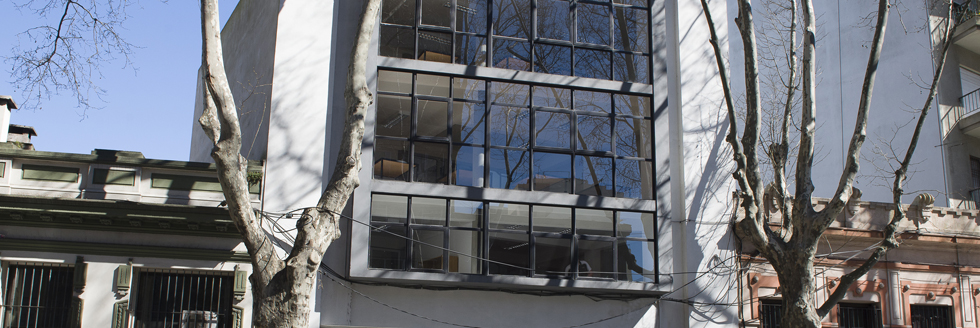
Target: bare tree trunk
(791,254)
(282,290)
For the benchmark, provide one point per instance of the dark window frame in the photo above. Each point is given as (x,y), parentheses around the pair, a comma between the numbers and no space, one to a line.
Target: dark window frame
(529,149)
(532,40)
(485,232)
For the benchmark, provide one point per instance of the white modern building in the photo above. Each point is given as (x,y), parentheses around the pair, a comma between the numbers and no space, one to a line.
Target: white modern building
(526,163)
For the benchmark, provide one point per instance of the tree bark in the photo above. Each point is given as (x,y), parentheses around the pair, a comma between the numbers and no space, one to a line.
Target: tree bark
(791,255)
(282,290)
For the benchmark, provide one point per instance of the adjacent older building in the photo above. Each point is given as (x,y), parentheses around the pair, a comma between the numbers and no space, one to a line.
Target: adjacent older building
(111,239)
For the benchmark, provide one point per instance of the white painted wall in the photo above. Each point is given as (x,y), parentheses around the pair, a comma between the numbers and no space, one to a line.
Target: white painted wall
(312,45)
(901,87)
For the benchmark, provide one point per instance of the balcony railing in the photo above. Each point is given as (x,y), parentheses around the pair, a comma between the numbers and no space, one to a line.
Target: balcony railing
(963,12)
(970,102)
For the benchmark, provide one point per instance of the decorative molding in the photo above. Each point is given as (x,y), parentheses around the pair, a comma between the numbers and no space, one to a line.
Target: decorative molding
(121,216)
(120,314)
(241,284)
(237,315)
(124,278)
(123,250)
(81,271)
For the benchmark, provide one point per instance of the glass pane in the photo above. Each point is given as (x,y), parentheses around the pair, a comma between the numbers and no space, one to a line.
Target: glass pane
(436,12)
(510,93)
(595,258)
(468,121)
(508,169)
(552,219)
(391,81)
(552,129)
(509,126)
(634,179)
(431,162)
(397,42)
(389,209)
(633,137)
(633,105)
(552,256)
(631,68)
(471,16)
(435,46)
(509,253)
(432,85)
(429,211)
(388,248)
(509,54)
(592,63)
(427,250)
(554,19)
(465,213)
(594,133)
(635,225)
(552,59)
(631,27)
(468,166)
(600,102)
(509,216)
(632,2)
(471,50)
(464,251)
(593,222)
(636,261)
(469,89)
(552,97)
(398,12)
(593,176)
(433,118)
(391,159)
(512,18)
(394,116)
(552,172)
(593,24)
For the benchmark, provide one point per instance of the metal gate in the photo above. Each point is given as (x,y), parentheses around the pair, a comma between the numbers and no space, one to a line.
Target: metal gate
(184,300)
(770,313)
(851,315)
(38,296)
(932,316)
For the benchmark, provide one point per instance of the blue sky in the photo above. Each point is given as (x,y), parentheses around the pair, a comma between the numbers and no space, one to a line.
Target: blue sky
(149,110)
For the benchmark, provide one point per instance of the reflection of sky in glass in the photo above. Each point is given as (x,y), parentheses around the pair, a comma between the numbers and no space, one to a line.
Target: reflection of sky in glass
(469,166)
(508,169)
(552,172)
(644,258)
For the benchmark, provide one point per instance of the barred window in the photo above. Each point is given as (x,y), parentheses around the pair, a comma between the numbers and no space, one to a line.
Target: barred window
(167,298)
(494,238)
(38,296)
(588,38)
(477,133)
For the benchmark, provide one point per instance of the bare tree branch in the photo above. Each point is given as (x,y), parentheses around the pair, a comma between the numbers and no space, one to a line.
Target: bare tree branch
(68,54)
(890,240)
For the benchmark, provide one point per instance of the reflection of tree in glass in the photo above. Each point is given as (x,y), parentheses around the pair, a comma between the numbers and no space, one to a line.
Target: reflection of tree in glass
(512,18)
(510,126)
